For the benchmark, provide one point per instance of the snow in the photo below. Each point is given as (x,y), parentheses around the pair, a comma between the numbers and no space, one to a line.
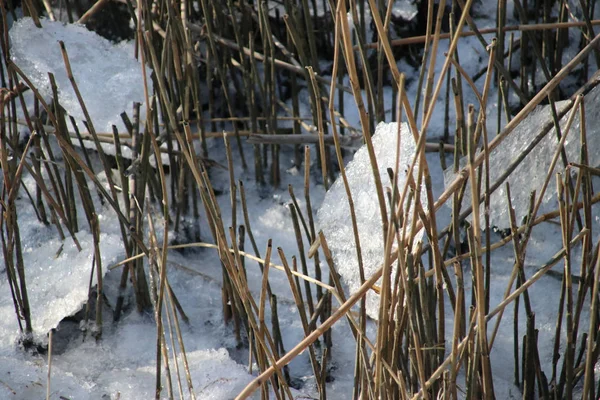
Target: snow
(123,363)
(334,214)
(531,173)
(108,76)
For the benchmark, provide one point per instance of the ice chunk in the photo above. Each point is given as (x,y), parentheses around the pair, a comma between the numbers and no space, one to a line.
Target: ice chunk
(334,214)
(404,9)
(56,273)
(108,76)
(530,174)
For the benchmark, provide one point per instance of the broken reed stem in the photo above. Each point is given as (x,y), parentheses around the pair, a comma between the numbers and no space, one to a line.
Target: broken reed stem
(433,50)
(588,385)
(241,253)
(301,309)
(264,288)
(174,353)
(161,351)
(351,67)
(566,378)
(162,256)
(98,5)
(232,187)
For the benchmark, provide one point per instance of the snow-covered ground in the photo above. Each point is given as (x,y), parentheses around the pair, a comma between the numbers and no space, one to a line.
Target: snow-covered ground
(122,364)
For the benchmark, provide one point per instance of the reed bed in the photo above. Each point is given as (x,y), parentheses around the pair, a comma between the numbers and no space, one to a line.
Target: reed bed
(223,72)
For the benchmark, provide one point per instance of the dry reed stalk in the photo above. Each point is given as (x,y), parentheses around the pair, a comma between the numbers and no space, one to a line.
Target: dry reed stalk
(588,385)
(174,355)
(155,262)
(98,5)
(413,301)
(311,237)
(338,151)
(351,68)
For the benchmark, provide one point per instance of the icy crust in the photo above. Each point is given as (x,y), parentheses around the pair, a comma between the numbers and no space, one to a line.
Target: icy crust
(214,375)
(334,215)
(56,273)
(57,277)
(532,171)
(26,379)
(108,76)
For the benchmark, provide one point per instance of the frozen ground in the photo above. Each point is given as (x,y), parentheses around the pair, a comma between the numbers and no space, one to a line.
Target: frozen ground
(122,364)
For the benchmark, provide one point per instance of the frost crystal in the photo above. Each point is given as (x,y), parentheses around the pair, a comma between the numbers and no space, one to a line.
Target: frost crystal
(334,215)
